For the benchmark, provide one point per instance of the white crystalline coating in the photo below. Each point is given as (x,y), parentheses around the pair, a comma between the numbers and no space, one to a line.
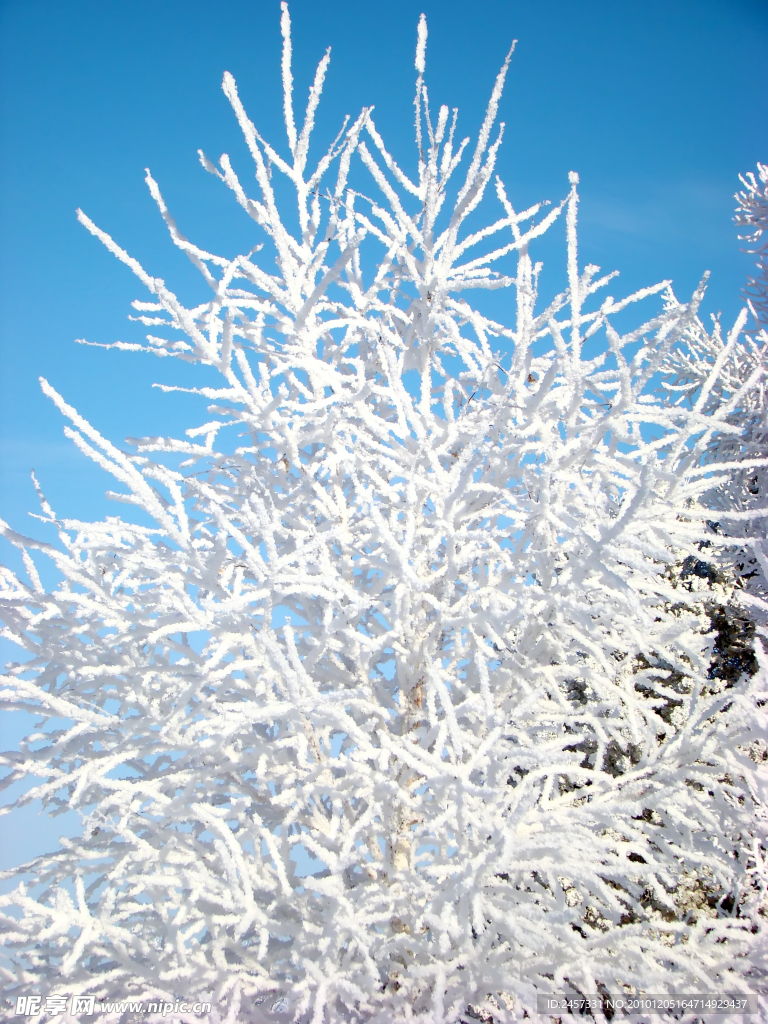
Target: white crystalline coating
(421,45)
(285,30)
(402,703)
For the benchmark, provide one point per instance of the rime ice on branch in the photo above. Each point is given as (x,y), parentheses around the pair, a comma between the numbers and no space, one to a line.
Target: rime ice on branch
(422,623)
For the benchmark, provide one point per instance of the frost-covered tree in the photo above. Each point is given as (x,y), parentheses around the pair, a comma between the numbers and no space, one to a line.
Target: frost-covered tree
(737,452)
(752,215)
(420,623)
(740,385)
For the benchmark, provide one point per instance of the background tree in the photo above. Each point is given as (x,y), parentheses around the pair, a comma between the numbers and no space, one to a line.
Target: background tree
(422,619)
(752,215)
(738,496)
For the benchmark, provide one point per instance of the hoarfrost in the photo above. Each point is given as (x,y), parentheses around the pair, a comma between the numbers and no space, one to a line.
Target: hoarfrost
(428,624)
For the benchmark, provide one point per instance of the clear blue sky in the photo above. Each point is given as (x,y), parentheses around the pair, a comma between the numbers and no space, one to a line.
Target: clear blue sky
(658,104)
